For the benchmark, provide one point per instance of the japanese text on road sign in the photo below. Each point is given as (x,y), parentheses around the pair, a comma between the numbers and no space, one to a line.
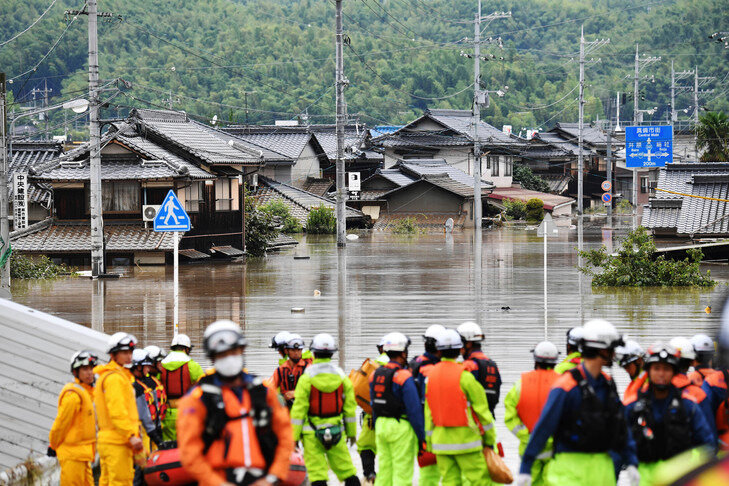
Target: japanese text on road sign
(650,146)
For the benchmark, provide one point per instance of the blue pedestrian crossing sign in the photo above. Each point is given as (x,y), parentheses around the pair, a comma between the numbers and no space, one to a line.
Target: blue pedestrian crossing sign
(648,146)
(171,215)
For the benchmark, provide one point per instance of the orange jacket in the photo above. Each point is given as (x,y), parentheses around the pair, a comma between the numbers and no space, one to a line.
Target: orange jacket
(240,447)
(698,376)
(448,404)
(631,391)
(535,387)
(116,406)
(683,383)
(73,434)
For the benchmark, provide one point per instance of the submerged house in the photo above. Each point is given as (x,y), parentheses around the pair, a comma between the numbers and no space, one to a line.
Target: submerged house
(143,158)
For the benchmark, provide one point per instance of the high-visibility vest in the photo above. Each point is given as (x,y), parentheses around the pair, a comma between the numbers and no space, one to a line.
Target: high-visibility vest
(447,401)
(176,382)
(535,387)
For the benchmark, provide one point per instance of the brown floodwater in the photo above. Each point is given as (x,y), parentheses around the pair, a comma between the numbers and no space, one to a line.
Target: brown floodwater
(393,283)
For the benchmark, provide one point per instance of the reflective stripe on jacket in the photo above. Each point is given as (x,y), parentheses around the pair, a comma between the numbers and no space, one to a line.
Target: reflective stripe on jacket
(116,407)
(73,433)
(447,398)
(326,378)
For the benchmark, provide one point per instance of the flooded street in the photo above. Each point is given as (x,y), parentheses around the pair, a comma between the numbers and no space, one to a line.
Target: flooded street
(402,283)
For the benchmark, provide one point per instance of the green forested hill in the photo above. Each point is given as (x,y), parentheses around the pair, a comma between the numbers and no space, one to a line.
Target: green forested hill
(403,55)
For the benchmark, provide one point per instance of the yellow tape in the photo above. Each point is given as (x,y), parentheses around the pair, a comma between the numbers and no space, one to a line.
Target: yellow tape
(691,195)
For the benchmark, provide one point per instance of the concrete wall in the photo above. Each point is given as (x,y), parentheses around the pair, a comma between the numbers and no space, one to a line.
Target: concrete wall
(307,165)
(424,198)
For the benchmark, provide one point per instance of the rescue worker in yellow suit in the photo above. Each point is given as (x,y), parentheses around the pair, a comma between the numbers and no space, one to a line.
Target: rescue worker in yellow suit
(366,442)
(120,441)
(73,434)
(324,412)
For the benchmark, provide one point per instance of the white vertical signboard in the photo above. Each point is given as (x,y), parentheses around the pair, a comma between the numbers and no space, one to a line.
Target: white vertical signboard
(20,201)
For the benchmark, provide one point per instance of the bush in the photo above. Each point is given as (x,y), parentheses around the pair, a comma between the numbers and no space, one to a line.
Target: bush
(528,179)
(41,267)
(406,226)
(534,210)
(636,265)
(321,221)
(260,229)
(624,207)
(277,209)
(515,209)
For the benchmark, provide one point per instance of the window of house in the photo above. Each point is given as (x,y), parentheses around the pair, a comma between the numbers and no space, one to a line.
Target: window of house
(508,166)
(494,166)
(223,197)
(488,163)
(121,197)
(644,184)
(193,196)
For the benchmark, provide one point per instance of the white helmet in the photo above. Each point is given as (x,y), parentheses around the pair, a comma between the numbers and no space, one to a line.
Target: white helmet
(155,352)
(546,352)
(323,343)
(433,331)
(222,336)
(574,336)
(684,346)
(395,341)
(181,340)
(83,358)
(628,353)
(448,339)
(600,334)
(120,341)
(140,357)
(702,343)
(279,339)
(470,331)
(294,341)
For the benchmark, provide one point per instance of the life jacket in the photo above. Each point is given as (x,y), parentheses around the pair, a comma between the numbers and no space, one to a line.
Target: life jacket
(176,382)
(660,441)
(633,388)
(447,401)
(597,425)
(384,401)
(682,382)
(141,387)
(83,427)
(487,374)
(326,404)
(420,367)
(161,395)
(217,420)
(722,412)
(698,376)
(535,387)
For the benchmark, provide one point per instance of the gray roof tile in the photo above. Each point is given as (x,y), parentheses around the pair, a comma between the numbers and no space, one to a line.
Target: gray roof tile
(430,167)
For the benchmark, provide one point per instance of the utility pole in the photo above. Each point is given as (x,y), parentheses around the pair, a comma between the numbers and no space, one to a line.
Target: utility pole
(637,115)
(479,96)
(585,48)
(609,170)
(97,222)
(674,115)
(4,223)
(341,82)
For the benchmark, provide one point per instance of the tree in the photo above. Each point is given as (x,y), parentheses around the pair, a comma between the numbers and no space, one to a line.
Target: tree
(528,179)
(712,134)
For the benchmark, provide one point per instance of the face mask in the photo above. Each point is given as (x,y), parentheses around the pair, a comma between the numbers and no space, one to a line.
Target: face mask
(230,365)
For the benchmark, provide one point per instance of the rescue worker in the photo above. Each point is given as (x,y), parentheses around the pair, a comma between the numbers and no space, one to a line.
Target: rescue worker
(397,414)
(630,357)
(664,421)
(586,419)
(278,342)
(179,373)
(703,364)
(146,398)
(420,368)
(458,422)
(524,403)
(120,442)
(366,442)
(156,354)
(73,434)
(574,357)
(484,369)
(286,376)
(681,380)
(324,404)
(232,429)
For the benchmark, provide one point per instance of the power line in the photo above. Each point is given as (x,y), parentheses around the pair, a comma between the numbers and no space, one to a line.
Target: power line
(30,26)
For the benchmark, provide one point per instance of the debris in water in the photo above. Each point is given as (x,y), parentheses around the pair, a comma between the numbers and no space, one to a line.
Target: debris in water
(297,310)
(317,293)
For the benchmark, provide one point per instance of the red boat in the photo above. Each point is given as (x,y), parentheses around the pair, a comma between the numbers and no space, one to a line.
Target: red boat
(164,469)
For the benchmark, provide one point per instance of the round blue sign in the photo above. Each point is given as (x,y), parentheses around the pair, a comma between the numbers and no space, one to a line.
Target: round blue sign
(606,197)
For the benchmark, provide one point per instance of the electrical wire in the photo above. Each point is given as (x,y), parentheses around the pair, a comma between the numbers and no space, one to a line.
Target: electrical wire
(30,26)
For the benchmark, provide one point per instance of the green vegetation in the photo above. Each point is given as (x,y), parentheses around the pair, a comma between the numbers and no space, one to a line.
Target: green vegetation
(209,53)
(406,226)
(528,179)
(534,210)
(41,267)
(278,210)
(260,229)
(321,221)
(515,209)
(713,136)
(636,265)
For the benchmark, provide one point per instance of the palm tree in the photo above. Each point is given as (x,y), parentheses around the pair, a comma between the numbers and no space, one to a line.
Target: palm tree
(712,134)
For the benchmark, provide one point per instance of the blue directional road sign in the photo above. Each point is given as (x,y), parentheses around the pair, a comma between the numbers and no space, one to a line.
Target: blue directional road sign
(648,146)
(171,215)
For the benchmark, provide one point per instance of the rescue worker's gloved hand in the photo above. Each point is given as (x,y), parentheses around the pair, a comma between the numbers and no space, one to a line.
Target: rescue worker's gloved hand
(136,443)
(156,436)
(633,475)
(524,480)
(422,448)
(50,452)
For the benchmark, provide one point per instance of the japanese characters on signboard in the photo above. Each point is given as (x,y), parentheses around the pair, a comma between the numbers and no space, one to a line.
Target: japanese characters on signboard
(20,201)
(648,146)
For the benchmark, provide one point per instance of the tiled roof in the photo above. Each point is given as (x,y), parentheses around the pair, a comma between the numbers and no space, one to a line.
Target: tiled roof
(428,167)
(50,236)
(27,156)
(550,201)
(461,121)
(320,187)
(290,144)
(558,183)
(568,146)
(395,176)
(590,135)
(299,201)
(687,215)
(423,138)
(208,144)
